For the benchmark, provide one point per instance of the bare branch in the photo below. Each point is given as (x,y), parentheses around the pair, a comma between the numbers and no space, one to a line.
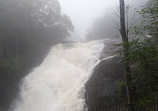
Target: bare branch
(132,22)
(116,13)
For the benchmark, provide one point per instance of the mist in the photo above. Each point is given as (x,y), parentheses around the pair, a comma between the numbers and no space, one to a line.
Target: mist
(51,49)
(83,13)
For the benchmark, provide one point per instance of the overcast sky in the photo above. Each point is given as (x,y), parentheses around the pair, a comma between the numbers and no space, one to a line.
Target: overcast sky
(84,12)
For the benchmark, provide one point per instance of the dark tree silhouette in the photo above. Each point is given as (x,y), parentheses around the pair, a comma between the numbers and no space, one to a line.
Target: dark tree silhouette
(125,40)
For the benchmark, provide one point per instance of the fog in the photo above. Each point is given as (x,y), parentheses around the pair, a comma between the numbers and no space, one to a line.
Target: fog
(43,67)
(84,12)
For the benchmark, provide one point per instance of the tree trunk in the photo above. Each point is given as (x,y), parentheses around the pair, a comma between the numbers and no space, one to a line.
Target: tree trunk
(16,48)
(156,96)
(127,71)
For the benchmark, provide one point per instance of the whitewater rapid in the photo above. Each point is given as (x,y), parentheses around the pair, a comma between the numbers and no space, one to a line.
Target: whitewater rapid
(58,83)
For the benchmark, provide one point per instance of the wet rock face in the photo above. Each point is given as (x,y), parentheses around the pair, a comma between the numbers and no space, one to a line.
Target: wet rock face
(102,88)
(110,47)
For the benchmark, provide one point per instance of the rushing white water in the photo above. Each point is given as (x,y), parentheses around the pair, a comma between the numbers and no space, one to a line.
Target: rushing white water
(58,83)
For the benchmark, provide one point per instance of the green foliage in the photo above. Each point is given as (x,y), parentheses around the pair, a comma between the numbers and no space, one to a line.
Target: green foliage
(147,100)
(143,55)
(144,59)
(122,91)
(9,65)
(29,28)
(150,15)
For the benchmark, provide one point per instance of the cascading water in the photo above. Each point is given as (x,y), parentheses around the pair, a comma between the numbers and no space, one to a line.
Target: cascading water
(58,83)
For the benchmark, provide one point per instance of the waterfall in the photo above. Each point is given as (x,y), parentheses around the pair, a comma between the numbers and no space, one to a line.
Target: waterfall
(58,83)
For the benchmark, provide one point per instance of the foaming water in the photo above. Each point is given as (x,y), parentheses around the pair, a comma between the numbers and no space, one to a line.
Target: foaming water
(58,83)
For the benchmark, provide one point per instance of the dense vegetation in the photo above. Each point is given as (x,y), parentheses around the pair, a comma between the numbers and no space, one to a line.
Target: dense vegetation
(143,53)
(143,57)
(28,29)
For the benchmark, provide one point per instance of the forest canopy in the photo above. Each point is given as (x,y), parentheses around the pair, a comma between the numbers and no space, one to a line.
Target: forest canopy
(29,26)
(28,29)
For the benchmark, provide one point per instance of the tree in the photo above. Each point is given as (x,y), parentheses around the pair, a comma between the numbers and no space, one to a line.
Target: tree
(144,58)
(29,28)
(126,54)
(102,28)
(144,55)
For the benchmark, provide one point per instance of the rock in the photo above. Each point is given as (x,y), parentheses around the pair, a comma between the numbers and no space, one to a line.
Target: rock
(102,88)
